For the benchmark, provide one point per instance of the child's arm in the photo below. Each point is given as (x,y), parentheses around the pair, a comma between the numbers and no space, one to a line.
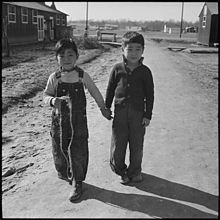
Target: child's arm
(110,92)
(95,93)
(49,91)
(149,94)
(49,94)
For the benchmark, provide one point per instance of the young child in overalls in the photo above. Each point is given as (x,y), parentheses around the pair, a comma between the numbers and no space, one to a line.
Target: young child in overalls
(65,93)
(131,84)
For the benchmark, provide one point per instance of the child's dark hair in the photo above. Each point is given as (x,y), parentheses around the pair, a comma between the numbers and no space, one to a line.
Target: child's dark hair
(132,37)
(66,43)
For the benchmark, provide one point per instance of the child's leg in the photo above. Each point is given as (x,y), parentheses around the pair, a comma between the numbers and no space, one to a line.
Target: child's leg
(136,140)
(59,159)
(79,154)
(78,149)
(119,141)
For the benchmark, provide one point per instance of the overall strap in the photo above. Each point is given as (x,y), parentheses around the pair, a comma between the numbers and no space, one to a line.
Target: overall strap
(58,76)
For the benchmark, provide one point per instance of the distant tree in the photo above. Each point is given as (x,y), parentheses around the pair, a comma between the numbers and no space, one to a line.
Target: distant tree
(156,25)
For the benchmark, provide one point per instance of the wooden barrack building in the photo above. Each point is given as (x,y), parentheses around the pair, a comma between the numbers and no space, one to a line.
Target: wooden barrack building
(31,22)
(208,24)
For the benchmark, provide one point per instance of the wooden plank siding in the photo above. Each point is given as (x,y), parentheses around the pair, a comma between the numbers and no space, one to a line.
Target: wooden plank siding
(204,32)
(214,31)
(18,32)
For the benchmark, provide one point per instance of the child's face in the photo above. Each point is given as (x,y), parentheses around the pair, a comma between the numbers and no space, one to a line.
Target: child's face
(133,52)
(67,59)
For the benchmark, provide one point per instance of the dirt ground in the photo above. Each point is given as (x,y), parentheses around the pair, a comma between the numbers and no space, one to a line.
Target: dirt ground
(180,161)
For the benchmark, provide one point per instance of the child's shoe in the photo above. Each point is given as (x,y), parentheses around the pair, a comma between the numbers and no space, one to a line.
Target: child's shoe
(76,192)
(125,179)
(137,178)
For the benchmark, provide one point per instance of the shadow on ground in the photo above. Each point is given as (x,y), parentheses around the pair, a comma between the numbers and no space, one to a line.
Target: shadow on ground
(153,205)
(6,139)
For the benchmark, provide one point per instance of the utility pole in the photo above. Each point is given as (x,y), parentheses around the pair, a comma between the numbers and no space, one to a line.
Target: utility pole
(181,25)
(86,30)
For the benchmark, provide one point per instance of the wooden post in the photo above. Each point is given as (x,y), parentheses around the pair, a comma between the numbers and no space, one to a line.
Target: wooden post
(114,37)
(5,35)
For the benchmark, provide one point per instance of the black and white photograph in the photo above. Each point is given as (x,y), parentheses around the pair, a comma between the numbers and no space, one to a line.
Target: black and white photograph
(110,110)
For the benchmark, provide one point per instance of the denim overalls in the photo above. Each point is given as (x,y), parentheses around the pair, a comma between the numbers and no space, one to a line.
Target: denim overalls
(69,131)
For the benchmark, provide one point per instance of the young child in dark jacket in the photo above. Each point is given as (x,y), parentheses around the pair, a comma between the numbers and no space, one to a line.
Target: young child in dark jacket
(132,88)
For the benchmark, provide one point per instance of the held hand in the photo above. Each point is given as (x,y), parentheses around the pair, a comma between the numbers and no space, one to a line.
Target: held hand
(145,122)
(56,102)
(106,112)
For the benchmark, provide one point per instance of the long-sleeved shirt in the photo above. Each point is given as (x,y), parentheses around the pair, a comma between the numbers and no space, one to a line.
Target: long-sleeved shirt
(50,90)
(131,87)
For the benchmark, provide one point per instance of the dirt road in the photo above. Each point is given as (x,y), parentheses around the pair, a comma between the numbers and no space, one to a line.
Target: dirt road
(180,163)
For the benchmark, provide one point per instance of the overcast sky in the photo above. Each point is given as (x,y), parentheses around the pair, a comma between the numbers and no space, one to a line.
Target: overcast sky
(135,11)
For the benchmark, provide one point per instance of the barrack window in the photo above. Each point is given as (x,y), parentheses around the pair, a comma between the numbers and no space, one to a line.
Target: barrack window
(24,15)
(34,16)
(11,14)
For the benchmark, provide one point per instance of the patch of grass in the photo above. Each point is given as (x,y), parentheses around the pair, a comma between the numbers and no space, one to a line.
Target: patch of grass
(174,40)
(22,53)
(14,60)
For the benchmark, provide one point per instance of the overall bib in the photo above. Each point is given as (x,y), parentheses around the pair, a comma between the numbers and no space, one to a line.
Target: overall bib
(69,131)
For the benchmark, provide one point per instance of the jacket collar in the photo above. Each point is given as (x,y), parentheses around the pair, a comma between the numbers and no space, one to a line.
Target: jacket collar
(140,62)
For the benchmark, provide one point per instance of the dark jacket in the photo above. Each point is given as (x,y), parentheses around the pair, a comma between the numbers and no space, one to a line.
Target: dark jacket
(131,87)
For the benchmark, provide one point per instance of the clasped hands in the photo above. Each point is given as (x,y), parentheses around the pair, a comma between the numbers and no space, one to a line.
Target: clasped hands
(106,112)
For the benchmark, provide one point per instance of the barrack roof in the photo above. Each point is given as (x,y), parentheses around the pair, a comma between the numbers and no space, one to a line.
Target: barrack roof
(36,5)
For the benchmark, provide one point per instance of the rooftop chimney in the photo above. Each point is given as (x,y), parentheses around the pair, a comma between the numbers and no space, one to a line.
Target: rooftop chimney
(53,6)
